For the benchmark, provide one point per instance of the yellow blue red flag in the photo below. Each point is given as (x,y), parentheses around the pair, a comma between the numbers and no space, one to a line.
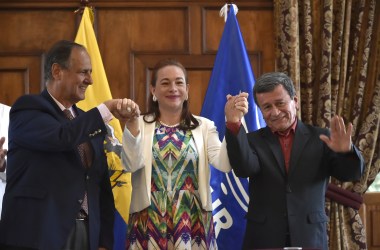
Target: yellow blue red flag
(97,93)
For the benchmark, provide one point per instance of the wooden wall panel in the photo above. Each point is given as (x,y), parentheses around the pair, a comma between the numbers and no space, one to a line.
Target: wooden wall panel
(26,34)
(15,79)
(132,36)
(20,73)
(25,29)
(257,28)
(370,212)
(145,29)
(198,67)
(138,30)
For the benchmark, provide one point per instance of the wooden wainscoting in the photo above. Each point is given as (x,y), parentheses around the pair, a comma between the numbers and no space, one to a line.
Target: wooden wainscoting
(132,37)
(370,213)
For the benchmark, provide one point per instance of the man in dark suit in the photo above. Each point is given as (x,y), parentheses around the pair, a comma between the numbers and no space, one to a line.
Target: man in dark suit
(58,193)
(289,164)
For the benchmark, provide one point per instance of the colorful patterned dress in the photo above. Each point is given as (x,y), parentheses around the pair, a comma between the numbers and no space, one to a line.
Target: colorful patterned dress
(175,219)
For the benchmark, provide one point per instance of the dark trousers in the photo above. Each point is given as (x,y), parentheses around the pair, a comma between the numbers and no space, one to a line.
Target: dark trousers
(78,237)
(77,240)
(288,243)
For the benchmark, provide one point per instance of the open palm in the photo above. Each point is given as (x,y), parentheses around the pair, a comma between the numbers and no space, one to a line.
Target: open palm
(340,136)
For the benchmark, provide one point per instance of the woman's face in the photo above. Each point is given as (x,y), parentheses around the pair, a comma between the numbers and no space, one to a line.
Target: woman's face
(171,89)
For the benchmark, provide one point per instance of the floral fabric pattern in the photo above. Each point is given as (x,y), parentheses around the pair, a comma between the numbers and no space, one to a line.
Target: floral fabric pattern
(331,50)
(175,218)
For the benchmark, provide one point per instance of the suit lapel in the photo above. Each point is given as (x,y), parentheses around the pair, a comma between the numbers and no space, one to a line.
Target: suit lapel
(275,147)
(148,144)
(54,109)
(300,139)
(57,111)
(198,139)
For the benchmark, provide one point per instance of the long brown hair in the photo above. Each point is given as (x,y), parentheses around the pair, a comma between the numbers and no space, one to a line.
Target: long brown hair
(188,121)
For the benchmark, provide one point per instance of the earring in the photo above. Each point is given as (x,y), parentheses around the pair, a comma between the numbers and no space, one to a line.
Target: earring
(154,98)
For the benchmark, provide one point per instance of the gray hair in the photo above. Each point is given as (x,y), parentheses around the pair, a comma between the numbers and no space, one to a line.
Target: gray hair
(269,81)
(59,53)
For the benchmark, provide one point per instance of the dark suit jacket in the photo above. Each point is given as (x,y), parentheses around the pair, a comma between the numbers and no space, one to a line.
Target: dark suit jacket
(46,180)
(293,202)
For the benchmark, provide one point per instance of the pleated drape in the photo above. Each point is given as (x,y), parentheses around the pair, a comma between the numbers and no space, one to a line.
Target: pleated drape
(331,50)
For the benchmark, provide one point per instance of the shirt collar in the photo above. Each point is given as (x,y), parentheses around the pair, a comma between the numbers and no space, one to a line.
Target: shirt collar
(60,105)
(292,129)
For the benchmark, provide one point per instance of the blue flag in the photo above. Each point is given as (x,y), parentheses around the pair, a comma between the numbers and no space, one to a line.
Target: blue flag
(231,74)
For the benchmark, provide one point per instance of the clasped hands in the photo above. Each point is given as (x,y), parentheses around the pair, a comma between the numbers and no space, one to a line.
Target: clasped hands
(340,137)
(236,107)
(123,109)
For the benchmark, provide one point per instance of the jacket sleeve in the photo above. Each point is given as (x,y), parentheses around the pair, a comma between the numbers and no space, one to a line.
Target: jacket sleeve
(47,130)
(217,151)
(347,167)
(132,150)
(343,166)
(243,158)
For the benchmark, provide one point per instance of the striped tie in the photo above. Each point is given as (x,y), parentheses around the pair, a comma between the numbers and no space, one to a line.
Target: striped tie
(84,150)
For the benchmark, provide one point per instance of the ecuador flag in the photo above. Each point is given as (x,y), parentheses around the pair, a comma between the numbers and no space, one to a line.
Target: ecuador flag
(96,94)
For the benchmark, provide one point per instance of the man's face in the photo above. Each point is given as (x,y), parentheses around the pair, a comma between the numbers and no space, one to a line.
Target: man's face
(278,109)
(75,79)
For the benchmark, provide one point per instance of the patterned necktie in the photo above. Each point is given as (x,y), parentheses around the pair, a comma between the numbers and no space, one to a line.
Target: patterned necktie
(84,150)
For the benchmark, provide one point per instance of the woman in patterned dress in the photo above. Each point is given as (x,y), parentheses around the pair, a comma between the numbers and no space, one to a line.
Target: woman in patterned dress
(168,151)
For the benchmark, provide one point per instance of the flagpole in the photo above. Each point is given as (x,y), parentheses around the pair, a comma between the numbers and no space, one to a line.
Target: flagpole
(224,10)
(97,93)
(80,10)
(84,4)
(232,73)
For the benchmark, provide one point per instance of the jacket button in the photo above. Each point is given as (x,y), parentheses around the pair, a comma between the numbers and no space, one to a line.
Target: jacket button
(288,189)
(87,177)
